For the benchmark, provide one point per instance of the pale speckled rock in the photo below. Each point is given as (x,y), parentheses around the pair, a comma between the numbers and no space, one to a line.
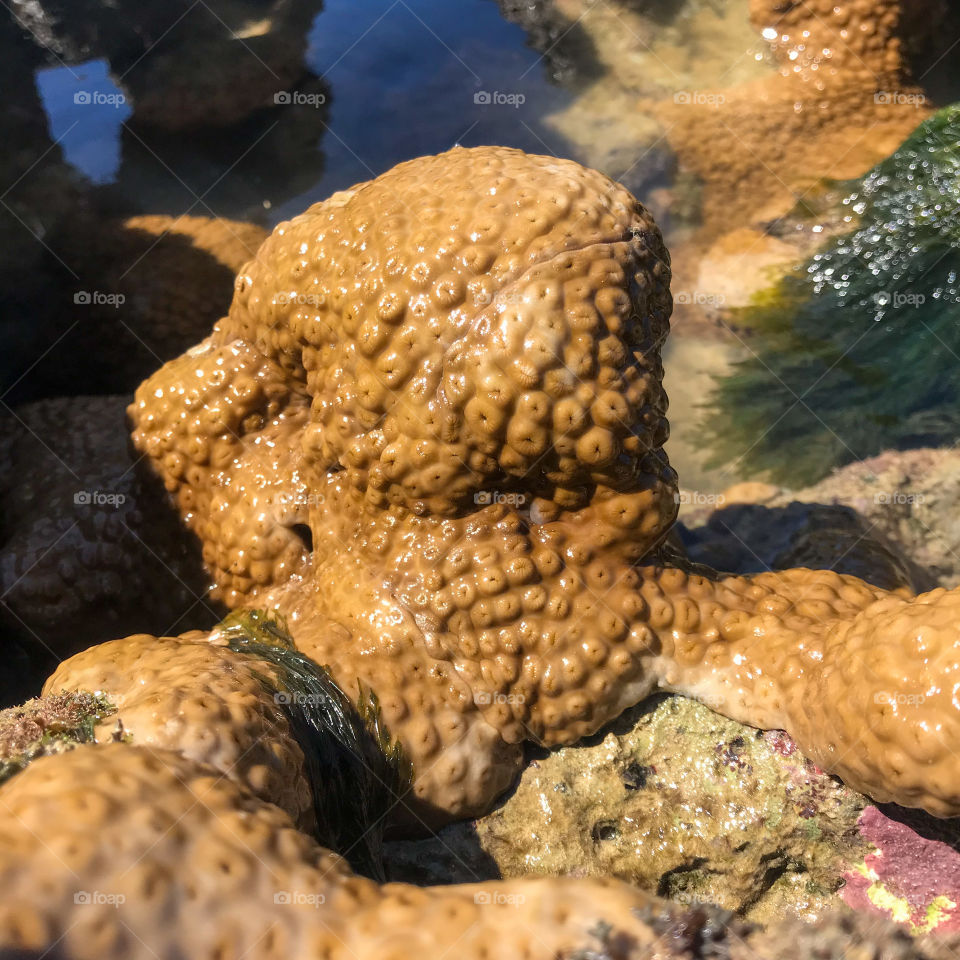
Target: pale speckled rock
(910,497)
(675,799)
(702,810)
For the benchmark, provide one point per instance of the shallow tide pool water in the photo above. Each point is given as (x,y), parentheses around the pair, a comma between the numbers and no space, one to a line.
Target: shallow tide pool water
(360,85)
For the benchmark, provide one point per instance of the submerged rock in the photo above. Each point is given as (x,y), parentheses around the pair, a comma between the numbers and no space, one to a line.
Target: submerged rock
(900,508)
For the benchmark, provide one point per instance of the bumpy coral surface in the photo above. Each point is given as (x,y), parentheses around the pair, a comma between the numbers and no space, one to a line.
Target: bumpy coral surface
(430,431)
(853,35)
(480,361)
(203,700)
(145,836)
(84,554)
(842,100)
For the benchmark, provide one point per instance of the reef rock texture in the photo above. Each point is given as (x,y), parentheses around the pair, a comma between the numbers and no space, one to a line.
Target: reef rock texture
(675,800)
(749,538)
(120,297)
(430,433)
(701,810)
(896,510)
(908,497)
(175,274)
(47,725)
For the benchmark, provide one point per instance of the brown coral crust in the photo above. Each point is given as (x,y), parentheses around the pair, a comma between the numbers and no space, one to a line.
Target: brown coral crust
(213,706)
(494,340)
(430,432)
(144,837)
(841,102)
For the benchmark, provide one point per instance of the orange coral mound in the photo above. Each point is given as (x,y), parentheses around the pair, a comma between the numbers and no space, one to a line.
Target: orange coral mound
(430,432)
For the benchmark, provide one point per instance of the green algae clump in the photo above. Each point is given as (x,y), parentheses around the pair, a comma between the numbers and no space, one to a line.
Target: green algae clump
(357,771)
(856,351)
(48,725)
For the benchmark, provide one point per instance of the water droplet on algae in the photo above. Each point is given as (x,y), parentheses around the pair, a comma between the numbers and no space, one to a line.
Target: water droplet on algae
(905,242)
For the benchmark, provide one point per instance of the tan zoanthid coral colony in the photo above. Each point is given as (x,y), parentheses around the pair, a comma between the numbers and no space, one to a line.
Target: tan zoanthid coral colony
(429,433)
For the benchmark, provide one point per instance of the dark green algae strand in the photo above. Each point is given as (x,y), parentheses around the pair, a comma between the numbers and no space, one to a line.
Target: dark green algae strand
(857,350)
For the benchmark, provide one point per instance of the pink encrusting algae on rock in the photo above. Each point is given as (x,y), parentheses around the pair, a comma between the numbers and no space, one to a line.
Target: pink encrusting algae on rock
(909,878)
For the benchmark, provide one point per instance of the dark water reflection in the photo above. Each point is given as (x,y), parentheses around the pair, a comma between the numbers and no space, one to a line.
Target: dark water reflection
(395,80)
(247,110)
(417,77)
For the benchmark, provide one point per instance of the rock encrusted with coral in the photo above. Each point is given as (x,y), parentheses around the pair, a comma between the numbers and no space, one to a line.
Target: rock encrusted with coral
(429,433)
